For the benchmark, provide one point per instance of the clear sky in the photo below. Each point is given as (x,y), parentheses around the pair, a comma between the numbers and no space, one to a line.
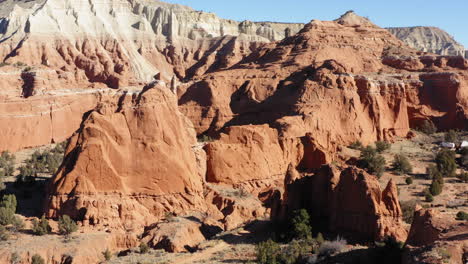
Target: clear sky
(450,15)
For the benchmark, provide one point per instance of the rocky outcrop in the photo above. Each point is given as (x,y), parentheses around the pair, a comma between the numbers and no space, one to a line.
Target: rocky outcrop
(62,48)
(429,39)
(245,153)
(174,235)
(338,81)
(120,169)
(435,238)
(347,202)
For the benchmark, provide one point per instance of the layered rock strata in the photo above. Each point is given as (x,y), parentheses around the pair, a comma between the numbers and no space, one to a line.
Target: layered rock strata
(429,39)
(345,201)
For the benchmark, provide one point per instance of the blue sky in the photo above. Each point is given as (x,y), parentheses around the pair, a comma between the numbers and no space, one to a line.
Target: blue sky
(450,15)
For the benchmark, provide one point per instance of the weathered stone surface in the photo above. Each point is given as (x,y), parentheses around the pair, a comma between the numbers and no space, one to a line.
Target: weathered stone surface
(174,235)
(429,39)
(339,84)
(129,164)
(435,238)
(347,202)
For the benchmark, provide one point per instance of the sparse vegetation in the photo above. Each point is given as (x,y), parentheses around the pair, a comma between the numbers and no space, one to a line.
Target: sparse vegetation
(41,227)
(67,226)
(446,164)
(409,180)
(267,252)
(107,255)
(329,248)
(429,197)
(47,161)
(8,209)
(356,145)
(427,127)
(462,216)
(436,185)
(382,146)
(407,209)
(300,225)
(144,248)
(37,259)
(451,136)
(7,164)
(205,139)
(3,64)
(401,164)
(371,161)
(19,64)
(4,234)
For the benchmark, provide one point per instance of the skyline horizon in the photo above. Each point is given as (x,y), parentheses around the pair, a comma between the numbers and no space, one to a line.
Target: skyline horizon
(328,12)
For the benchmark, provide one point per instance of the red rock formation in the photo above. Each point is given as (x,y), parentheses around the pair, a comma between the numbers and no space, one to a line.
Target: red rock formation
(342,80)
(347,202)
(434,238)
(129,164)
(245,153)
(174,235)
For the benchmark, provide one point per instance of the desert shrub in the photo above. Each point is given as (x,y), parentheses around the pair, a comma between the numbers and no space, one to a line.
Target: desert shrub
(41,227)
(356,145)
(446,163)
(144,248)
(462,215)
(429,197)
(47,161)
(15,258)
(19,64)
(295,251)
(319,239)
(409,180)
(67,226)
(427,127)
(267,252)
(451,136)
(436,186)
(4,235)
(432,172)
(407,209)
(204,139)
(300,225)
(371,161)
(7,163)
(463,176)
(37,259)
(6,216)
(329,248)
(107,254)
(18,223)
(382,146)
(401,164)
(9,202)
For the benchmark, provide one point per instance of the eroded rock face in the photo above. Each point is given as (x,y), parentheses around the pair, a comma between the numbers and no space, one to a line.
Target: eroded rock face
(65,48)
(174,235)
(429,39)
(359,82)
(435,238)
(130,163)
(347,202)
